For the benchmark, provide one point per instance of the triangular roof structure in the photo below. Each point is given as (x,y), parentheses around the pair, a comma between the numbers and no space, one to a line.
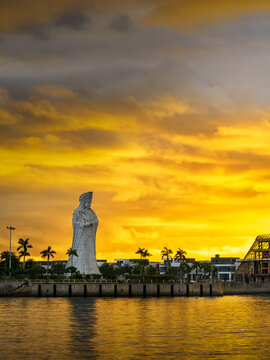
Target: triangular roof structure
(260,248)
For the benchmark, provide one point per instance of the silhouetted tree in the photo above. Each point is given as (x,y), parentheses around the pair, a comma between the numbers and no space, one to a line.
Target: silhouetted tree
(180,255)
(150,270)
(5,259)
(108,271)
(47,253)
(196,267)
(71,252)
(207,268)
(126,269)
(185,268)
(140,251)
(58,269)
(166,253)
(24,246)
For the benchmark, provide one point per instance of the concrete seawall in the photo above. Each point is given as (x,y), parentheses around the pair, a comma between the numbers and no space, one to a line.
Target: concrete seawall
(72,289)
(234,288)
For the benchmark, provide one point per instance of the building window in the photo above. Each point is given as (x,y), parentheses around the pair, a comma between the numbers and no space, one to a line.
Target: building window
(264,268)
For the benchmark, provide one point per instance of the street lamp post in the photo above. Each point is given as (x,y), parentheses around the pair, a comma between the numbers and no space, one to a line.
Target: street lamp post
(10,228)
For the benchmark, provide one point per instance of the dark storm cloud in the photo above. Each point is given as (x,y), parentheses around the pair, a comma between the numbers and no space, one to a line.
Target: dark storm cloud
(30,120)
(38,31)
(121,23)
(76,21)
(73,21)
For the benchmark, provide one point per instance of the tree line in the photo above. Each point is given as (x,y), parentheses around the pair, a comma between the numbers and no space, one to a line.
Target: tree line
(180,255)
(141,270)
(30,268)
(144,271)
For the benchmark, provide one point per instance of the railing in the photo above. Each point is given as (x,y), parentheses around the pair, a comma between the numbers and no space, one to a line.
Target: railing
(105,281)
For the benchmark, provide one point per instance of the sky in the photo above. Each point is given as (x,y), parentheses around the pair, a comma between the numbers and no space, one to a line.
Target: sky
(159,107)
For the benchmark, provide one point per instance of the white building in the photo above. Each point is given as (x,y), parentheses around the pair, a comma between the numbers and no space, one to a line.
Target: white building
(133,262)
(226,266)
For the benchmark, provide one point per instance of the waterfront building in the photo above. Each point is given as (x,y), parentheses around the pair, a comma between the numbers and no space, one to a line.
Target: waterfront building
(256,263)
(133,262)
(130,262)
(226,266)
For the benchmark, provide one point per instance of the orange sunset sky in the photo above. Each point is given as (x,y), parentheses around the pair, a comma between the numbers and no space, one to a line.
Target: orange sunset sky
(160,107)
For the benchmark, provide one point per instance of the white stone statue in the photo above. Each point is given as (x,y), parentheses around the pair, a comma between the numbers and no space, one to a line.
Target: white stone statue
(85,223)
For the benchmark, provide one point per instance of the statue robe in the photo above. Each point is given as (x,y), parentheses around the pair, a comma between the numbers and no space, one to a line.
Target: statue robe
(85,223)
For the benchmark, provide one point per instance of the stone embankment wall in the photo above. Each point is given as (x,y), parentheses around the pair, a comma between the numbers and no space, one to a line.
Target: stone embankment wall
(125,290)
(235,288)
(129,290)
(7,287)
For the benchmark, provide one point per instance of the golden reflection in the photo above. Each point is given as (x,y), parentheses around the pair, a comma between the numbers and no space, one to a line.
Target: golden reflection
(163,328)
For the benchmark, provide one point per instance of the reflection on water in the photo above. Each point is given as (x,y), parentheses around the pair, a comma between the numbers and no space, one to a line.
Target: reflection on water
(165,328)
(83,329)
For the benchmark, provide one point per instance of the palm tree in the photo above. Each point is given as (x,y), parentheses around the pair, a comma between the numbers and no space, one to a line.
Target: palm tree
(214,271)
(5,257)
(185,268)
(146,253)
(207,268)
(140,251)
(166,253)
(180,255)
(196,265)
(47,253)
(144,261)
(24,246)
(71,252)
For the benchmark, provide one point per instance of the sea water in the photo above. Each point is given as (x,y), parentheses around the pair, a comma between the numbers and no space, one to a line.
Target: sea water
(229,327)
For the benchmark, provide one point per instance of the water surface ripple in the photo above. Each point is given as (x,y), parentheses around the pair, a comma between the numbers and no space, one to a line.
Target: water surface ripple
(235,327)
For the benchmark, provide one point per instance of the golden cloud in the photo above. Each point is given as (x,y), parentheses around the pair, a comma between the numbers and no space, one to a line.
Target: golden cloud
(189,15)
(153,183)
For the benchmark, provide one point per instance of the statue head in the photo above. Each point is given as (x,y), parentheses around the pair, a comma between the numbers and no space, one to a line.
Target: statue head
(86,200)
